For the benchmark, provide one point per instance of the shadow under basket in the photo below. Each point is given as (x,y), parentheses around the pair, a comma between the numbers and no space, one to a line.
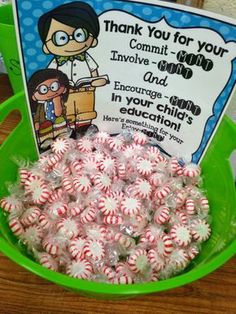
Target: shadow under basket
(218,183)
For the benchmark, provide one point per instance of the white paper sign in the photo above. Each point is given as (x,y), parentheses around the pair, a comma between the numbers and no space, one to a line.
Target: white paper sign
(164,69)
(164,80)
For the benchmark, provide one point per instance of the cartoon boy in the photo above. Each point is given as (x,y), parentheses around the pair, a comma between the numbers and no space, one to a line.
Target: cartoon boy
(67,32)
(48,90)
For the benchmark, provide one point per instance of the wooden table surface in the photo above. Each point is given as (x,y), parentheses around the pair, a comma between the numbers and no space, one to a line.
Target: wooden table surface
(21,292)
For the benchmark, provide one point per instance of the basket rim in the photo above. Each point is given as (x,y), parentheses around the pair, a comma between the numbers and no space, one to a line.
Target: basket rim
(111,289)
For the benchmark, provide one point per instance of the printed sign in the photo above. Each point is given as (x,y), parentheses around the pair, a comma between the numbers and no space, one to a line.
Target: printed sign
(164,69)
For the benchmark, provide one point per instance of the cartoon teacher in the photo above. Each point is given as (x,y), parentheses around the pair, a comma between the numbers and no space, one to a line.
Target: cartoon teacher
(68,32)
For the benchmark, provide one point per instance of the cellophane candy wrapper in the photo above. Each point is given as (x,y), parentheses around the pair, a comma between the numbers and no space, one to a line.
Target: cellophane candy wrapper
(111,209)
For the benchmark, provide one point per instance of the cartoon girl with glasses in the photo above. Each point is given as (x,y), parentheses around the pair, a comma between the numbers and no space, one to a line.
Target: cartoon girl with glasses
(48,90)
(67,32)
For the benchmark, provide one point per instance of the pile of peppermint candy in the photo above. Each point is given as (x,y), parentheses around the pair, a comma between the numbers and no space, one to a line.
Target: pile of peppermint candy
(111,209)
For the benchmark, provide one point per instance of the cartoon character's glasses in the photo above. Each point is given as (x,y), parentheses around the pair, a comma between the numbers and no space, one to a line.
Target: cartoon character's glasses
(61,38)
(43,89)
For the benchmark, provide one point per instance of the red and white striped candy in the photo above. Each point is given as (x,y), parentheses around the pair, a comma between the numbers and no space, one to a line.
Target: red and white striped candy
(138,223)
(130,206)
(108,272)
(128,152)
(119,195)
(65,170)
(162,215)
(90,165)
(30,216)
(60,169)
(143,188)
(192,191)
(179,259)
(162,159)
(138,150)
(88,215)
(118,184)
(11,204)
(181,235)
(85,145)
(122,268)
(192,252)
(53,159)
(57,209)
(67,184)
(179,171)
(80,268)
(158,202)
(76,167)
(191,170)
(152,233)
(173,165)
(33,235)
(157,179)
(144,166)
(178,218)
(164,245)
(123,280)
(52,244)
(60,146)
(38,189)
(154,277)
(153,153)
(124,240)
(47,261)
(82,184)
(190,206)
(162,192)
(74,209)
(44,221)
(200,230)
(138,261)
(204,204)
(116,143)
(76,247)
(121,170)
(108,165)
(155,260)
(98,156)
(103,182)
(16,227)
(180,198)
(110,234)
(24,175)
(97,232)
(94,249)
(130,190)
(108,204)
(40,195)
(140,138)
(55,196)
(101,137)
(113,220)
(68,228)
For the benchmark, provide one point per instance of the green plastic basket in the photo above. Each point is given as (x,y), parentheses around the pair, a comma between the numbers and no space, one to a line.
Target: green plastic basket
(218,181)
